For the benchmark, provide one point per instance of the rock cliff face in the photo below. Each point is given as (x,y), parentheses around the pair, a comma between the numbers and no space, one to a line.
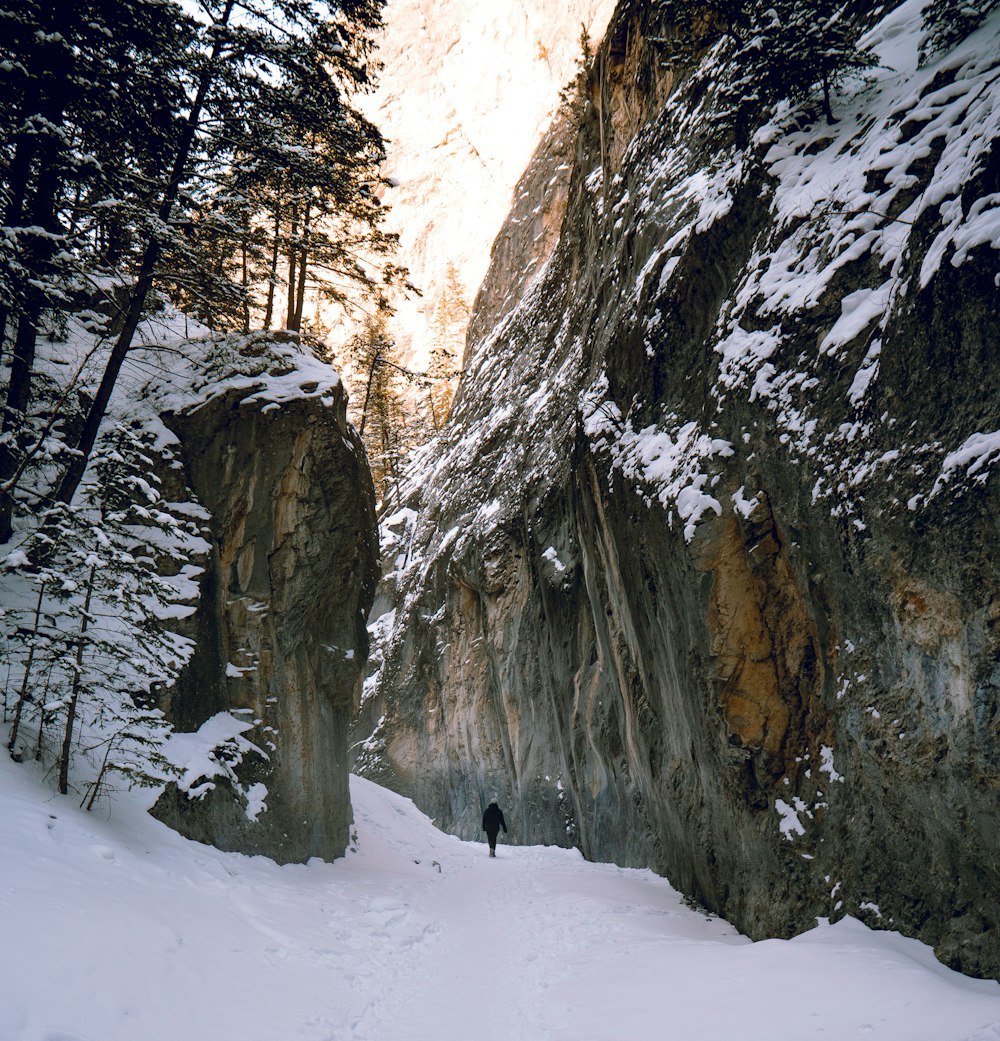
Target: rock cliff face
(280,629)
(703,575)
(466,90)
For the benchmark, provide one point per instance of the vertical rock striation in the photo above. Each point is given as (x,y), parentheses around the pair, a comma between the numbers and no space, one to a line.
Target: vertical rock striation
(703,574)
(280,629)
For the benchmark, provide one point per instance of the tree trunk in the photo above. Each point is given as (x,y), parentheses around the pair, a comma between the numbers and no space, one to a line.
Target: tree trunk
(300,292)
(827,107)
(144,282)
(99,780)
(272,276)
(293,256)
(18,176)
(41,715)
(376,361)
(22,694)
(75,692)
(38,261)
(245,284)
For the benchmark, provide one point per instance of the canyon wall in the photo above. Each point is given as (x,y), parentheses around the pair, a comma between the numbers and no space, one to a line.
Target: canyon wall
(702,575)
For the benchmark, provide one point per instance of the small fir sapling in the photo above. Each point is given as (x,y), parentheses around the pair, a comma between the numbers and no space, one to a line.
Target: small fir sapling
(98,620)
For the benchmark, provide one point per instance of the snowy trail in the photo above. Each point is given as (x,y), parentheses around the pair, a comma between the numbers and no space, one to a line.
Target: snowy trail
(120,930)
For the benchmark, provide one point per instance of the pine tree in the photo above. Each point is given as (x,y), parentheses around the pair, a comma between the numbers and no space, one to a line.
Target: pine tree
(381,415)
(946,22)
(89,114)
(96,629)
(451,317)
(179,158)
(793,48)
(573,96)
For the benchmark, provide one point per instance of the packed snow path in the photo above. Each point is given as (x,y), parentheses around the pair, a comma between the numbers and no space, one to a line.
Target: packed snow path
(119,930)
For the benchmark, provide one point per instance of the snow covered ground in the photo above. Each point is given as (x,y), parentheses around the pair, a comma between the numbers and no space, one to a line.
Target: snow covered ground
(117,929)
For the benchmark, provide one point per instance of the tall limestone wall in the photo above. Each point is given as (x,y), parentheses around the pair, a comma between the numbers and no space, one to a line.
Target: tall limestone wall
(280,637)
(703,575)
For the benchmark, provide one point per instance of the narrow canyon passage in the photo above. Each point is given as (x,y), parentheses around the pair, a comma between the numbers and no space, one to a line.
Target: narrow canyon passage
(538,945)
(418,936)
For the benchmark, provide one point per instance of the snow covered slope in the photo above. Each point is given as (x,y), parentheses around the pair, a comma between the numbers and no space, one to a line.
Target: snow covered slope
(117,929)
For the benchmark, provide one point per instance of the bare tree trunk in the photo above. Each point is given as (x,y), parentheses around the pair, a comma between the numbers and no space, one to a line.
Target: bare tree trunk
(376,361)
(75,691)
(15,415)
(827,107)
(99,780)
(39,263)
(272,275)
(293,256)
(18,176)
(22,694)
(300,292)
(43,701)
(245,285)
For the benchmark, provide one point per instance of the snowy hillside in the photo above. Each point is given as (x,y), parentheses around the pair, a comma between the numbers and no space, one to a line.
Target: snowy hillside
(117,929)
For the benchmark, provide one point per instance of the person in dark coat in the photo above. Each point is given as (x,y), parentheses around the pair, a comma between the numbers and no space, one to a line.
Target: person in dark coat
(492,823)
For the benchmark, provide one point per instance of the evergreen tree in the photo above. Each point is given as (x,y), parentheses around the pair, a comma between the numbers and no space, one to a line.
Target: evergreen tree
(573,97)
(151,148)
(451,317)
(382,417)
(93,641)
(89,114)
(946,22)
(794,48)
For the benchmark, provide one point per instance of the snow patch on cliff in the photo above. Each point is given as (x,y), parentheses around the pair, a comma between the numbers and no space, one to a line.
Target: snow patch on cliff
(670,458)
(849,191)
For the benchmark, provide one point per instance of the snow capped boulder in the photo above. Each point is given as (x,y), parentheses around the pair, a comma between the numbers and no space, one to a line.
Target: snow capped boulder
(280,630)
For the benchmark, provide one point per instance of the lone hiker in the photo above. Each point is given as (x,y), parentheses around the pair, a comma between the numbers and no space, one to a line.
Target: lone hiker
(492,823)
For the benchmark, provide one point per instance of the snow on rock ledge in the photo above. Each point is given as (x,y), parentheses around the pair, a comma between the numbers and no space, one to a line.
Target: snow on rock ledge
(280,628)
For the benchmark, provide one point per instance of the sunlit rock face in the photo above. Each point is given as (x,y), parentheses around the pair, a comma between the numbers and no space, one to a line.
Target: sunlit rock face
(465,94)
(280,628)
(703,574)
